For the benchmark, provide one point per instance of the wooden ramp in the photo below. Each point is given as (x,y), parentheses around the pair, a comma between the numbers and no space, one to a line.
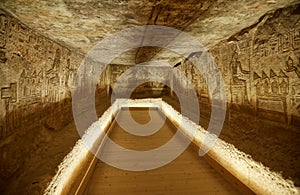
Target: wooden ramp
(188,174)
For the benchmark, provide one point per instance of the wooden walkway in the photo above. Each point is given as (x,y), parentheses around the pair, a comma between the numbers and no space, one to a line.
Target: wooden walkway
(188,174)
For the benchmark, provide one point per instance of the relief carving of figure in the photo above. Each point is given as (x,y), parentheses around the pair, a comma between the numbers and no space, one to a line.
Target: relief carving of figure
(283,87)
(290,67)
(238,72)
(275,87)
(265,87)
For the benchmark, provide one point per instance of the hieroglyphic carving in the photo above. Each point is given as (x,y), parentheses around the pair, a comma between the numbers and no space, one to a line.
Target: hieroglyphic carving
(41,68)
(286,41)
(244,46)
(29,87)
(9,94)
(22,33)
(273,78)
(12,29)
(273,46)
(296,40)
(3,23)
(260,67)
(259,50)
(28,63)
(283,43)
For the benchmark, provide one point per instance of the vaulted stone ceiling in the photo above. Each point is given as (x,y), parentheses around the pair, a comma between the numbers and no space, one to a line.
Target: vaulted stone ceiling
(82,23)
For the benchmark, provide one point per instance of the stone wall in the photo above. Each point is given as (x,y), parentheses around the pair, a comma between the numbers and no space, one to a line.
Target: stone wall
(34,70)
(260,68)
(36,79)
(145,75)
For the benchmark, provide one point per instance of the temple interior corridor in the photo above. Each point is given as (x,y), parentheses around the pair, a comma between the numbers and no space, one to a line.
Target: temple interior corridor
(93,92)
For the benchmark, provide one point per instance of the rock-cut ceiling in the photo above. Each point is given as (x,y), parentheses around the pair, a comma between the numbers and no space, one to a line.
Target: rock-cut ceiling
(82,23)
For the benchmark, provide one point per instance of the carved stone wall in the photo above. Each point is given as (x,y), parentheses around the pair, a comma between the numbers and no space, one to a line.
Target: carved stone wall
(34,70)
(36,78)
(260,68)
(134,75)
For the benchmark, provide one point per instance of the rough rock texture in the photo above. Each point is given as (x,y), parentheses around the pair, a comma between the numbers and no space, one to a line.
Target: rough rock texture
(81,24)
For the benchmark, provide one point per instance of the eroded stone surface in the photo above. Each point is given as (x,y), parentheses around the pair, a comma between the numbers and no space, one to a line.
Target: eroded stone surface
(81,24)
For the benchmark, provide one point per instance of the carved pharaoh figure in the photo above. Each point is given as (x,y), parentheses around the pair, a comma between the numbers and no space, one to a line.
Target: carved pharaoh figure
(240,78)
(291,67)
